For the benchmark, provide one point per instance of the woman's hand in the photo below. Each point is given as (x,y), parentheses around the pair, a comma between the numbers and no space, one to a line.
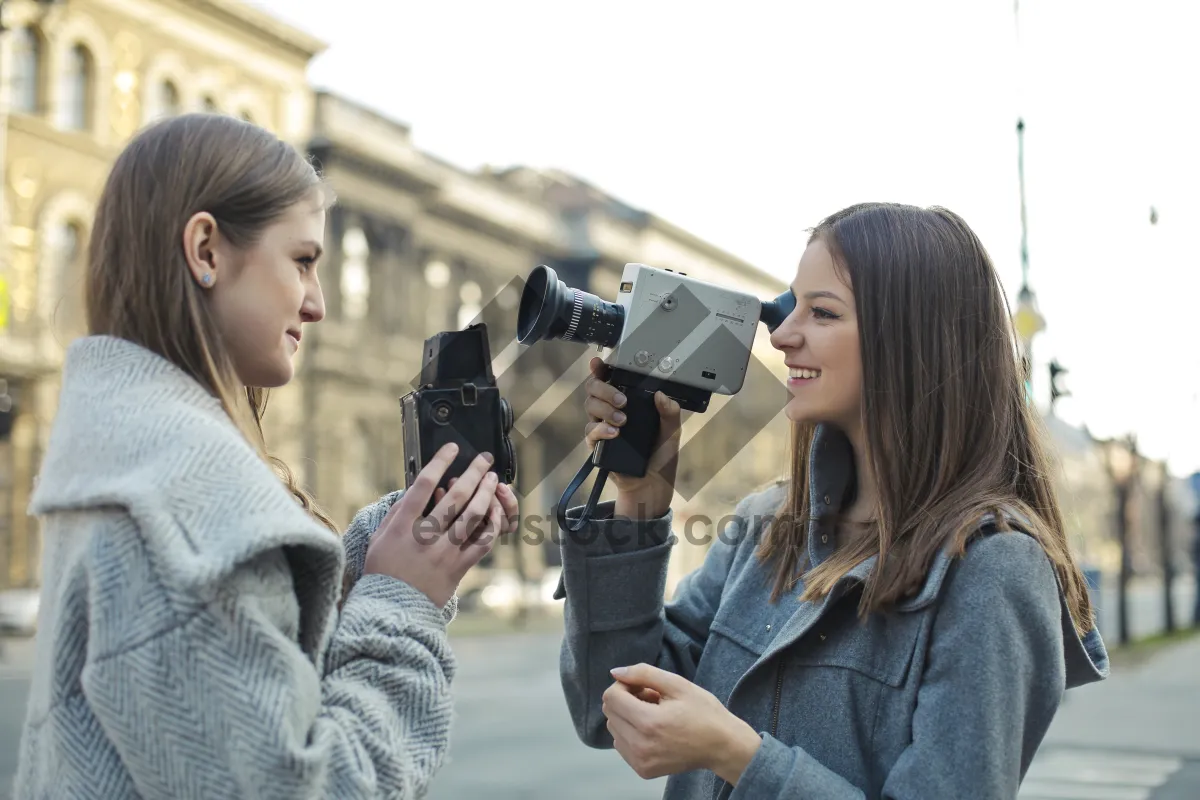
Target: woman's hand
(648,496)
(433,553)
(505,502)
(663,724)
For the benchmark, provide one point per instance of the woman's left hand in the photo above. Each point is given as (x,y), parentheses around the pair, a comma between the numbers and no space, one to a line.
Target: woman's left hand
(506,498)
(663,724)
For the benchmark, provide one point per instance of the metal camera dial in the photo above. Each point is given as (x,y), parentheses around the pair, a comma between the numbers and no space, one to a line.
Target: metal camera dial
(441,412)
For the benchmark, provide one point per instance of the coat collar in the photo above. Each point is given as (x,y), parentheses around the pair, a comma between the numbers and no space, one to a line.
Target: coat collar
(831,471)
(831,486)
(134,431)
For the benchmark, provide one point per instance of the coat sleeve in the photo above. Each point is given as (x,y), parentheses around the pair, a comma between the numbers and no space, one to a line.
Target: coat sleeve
(614,580)
(224,703)
(358,536)
(992,682)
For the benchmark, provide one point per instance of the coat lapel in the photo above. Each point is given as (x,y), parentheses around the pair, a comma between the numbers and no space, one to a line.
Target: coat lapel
(135,432)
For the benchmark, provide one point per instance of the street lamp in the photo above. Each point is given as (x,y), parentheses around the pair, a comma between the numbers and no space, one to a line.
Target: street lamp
(1121,463)
(1163,513)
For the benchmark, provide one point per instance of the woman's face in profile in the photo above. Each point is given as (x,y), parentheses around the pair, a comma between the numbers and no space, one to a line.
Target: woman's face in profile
(271,291)
(819,341)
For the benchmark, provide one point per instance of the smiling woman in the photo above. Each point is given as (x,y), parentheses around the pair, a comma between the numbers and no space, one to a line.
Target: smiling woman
(907,591)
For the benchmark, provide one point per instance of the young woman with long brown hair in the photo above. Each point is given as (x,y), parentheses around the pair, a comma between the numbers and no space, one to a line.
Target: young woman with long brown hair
(899,617)
(204,632)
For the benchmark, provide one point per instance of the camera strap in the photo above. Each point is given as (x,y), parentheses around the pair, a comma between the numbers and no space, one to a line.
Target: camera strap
(585,516)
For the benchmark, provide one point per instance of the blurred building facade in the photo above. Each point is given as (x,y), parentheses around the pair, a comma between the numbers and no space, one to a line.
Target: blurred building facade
(415,245)
(77,79)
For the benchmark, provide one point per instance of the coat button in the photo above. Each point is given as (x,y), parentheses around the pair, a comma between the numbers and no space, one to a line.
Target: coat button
(824,538)
(827,500)
(768,627)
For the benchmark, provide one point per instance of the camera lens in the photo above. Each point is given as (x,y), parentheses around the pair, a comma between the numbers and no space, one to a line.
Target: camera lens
(552,310)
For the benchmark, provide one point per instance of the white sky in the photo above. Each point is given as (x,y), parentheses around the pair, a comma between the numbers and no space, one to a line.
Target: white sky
(747,122)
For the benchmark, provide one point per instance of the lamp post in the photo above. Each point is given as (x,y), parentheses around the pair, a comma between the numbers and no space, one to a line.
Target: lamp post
(1163,518)
(1027,320)
(1121,462)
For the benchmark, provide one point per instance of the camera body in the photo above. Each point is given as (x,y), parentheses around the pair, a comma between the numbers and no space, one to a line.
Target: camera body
(458,401)
(684,331)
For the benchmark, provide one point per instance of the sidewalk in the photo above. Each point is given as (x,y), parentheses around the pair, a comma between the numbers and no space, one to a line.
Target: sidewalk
(1152,706)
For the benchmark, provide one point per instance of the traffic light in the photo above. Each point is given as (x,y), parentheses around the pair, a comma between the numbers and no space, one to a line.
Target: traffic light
(1056,391)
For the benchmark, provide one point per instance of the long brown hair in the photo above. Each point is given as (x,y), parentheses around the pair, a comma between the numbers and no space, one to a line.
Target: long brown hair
(137,284)
(950,435)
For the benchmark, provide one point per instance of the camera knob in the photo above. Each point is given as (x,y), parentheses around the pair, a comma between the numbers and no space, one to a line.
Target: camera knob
(506,415)
(510,461)
(643,357)
(666,364)
(441,412)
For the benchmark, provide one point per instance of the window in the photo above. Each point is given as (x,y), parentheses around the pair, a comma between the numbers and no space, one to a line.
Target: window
(168,99)
(246,117)
(78,89)
(66,278)
(356,274)
(470,294)
(210,105)
(27,71)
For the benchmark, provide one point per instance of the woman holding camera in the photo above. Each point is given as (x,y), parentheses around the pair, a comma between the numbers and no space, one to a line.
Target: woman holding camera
(898,618)
(204,632)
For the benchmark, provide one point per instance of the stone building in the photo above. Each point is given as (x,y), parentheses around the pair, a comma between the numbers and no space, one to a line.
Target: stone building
(77,79)
(415,245)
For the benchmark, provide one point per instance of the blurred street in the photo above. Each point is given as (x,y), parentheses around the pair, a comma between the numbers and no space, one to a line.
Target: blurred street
(1133,737)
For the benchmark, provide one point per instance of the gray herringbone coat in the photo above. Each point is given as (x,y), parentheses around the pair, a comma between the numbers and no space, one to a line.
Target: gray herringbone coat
(190,643)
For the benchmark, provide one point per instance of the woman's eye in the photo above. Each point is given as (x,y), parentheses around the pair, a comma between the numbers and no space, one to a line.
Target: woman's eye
(306,262)
(822,313)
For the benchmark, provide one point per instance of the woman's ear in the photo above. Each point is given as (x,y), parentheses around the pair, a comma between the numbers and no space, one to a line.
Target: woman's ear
(199,248)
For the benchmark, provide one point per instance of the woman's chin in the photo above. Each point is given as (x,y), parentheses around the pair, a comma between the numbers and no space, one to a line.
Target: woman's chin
(799,412)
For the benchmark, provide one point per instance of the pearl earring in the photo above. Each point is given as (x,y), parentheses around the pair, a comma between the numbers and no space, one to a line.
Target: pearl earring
(207,279)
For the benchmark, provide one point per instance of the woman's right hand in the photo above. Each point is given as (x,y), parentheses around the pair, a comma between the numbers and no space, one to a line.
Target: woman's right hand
(432,553)
(637,498)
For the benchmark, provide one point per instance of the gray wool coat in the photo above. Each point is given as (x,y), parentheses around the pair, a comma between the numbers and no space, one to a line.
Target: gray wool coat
(947,696)
(190,643)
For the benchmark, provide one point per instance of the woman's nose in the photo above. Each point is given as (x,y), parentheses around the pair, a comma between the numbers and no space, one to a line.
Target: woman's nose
(313,309)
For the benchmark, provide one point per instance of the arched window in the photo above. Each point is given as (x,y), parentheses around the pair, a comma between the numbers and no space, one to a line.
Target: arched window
(246,117)
(210,105)
(66,288)
(78,89)
(27,71)
(168,99)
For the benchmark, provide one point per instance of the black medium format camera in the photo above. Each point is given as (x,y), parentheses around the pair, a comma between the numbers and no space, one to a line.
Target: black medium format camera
(458,401)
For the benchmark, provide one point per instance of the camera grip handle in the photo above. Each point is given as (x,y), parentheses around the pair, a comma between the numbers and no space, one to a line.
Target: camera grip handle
(629,453)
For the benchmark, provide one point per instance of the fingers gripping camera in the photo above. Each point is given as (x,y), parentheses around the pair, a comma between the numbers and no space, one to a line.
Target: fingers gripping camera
(458,401)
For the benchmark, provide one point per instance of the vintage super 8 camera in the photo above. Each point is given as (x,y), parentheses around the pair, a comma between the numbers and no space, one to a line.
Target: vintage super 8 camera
(667,332)
(458,401)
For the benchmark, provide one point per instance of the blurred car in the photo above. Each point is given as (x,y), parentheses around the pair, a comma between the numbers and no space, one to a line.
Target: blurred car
(19,611)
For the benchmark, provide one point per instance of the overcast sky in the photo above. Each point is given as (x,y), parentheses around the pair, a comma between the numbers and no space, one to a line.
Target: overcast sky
(747,122)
